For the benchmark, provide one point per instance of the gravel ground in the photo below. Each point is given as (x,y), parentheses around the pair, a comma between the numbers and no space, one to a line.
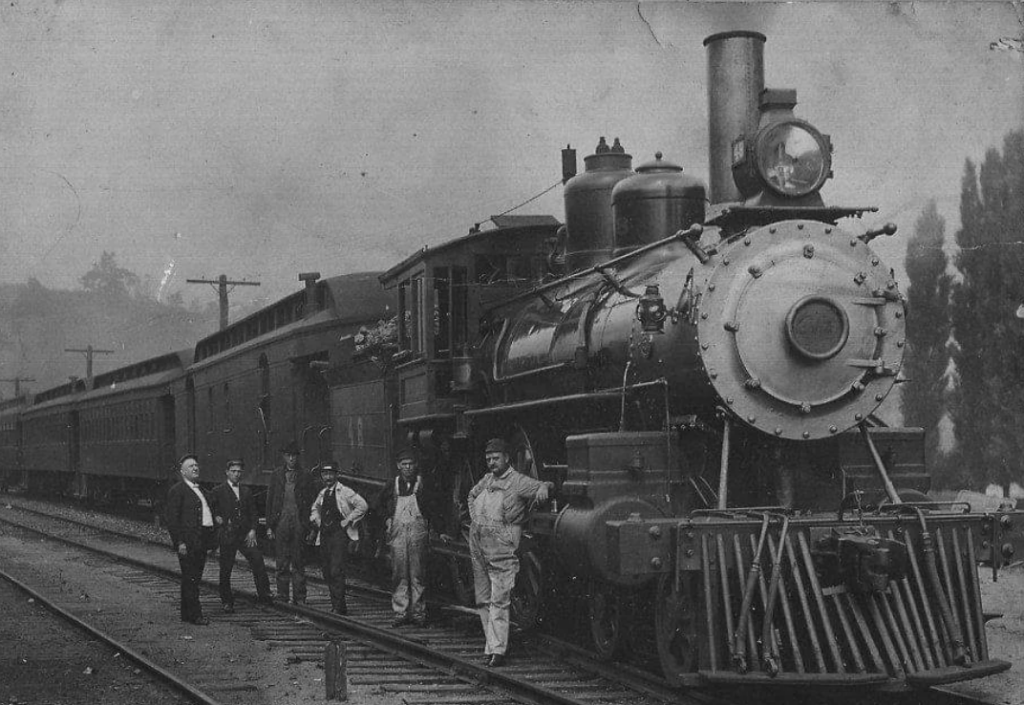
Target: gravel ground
(45,659)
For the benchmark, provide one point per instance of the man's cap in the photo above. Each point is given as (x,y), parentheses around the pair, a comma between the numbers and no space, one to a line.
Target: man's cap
(405,453)
(328,466)
(235,461)
(182,459)
(496,445)
(291,448)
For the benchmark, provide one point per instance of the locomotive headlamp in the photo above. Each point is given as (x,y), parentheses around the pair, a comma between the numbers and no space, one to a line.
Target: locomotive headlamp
(793,158)
(651,311)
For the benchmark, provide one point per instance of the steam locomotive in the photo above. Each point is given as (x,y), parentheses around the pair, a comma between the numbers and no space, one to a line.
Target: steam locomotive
(695,369)
(700,384)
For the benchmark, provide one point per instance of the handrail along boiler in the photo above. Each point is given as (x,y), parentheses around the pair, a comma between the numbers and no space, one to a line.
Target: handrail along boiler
(700,381)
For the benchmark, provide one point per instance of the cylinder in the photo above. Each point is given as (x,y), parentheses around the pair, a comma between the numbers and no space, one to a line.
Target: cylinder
(735,82)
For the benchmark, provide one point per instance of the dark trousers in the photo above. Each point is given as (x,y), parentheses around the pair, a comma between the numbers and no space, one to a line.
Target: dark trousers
(192,565)
(291,564)
(333,556)
(228,551)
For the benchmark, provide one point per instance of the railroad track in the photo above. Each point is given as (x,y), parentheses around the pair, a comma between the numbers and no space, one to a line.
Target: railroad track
(439,663)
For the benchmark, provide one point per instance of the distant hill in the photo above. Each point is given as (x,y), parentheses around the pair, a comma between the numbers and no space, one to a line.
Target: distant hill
(37,324)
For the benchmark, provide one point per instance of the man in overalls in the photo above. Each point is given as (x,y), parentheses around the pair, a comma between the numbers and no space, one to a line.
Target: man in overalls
(404,505)
(498,507)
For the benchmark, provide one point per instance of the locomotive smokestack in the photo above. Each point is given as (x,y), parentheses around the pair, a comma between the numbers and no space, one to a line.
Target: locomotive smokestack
(735,82)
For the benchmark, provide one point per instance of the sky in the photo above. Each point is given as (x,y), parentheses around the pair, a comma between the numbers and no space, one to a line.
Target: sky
(263,139)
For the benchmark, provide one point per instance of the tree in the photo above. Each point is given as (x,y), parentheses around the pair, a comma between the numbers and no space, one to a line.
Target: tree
(108,279)
(926,364)
(988,396)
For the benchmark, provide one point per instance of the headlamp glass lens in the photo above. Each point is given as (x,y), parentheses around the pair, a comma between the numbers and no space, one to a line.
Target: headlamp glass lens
(792,159)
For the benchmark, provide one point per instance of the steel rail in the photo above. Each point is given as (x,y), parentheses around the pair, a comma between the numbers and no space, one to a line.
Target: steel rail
(152,667)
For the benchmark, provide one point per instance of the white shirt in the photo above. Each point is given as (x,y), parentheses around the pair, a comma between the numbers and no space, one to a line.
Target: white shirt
(207,514)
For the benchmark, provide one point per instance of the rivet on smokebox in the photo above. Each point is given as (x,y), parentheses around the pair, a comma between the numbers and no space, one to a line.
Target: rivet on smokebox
(874,261)
(879,397)
(655,532)
(853,242)
(799,226)
(806,434)
(832,429)
(754,270)
(778,431)
(656,563)
(828,231)
(746,241)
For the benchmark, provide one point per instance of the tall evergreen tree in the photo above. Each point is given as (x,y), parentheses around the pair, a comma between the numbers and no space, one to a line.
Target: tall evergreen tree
(988,399)
(926,364)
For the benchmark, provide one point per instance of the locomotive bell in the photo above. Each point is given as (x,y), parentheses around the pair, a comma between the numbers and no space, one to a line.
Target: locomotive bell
(588,205)
(655,203)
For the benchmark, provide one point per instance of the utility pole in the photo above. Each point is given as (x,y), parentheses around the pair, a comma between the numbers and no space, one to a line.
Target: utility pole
(17,383)
(89,352)
(221,283)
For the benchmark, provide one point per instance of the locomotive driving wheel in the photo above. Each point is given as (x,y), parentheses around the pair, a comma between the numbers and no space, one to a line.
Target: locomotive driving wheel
(522,455)
(675,628)
(528,591)
(606,607)
(457,526)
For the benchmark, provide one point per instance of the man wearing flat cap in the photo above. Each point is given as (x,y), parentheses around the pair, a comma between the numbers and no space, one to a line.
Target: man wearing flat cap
(498,506)
(403,503)
(338,510)
(234,513)
(190,523)
(289,497)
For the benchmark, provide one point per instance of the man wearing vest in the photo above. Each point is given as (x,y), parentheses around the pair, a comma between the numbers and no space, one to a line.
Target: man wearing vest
(234,513)
(289,497)
(337,511)
(498,506)
(190,524)
(404,505)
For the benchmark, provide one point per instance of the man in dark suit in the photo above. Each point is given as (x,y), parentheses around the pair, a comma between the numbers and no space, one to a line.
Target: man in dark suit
(234,513)
(289,498)
(190,523)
